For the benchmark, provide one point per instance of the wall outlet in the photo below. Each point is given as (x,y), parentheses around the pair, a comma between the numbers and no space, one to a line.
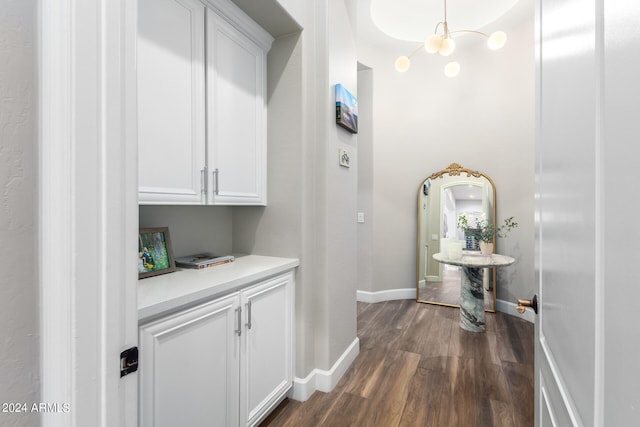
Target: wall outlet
(344,158)
(360,217)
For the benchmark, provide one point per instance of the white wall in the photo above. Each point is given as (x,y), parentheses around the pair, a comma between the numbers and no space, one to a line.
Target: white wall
(340,190)
(365,178)
(19,331)
(423,121)
(192,229)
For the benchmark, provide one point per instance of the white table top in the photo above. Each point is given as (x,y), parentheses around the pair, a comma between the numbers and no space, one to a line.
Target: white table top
(186,287)
(476,260)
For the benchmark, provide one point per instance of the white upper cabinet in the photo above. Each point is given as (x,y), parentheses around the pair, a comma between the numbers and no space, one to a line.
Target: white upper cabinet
(187,67)
(171,101)
(236,114)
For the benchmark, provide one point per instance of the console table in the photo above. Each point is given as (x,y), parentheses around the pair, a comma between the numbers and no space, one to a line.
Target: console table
(471,292)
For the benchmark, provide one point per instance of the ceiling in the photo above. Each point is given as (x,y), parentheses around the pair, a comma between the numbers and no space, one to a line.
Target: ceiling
(467,192)
(404,24)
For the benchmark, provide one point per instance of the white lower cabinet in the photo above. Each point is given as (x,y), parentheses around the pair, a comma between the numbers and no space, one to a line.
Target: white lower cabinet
(226,362)
(266,367)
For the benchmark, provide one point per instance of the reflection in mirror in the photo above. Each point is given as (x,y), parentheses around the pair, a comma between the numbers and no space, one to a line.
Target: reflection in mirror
(442,197)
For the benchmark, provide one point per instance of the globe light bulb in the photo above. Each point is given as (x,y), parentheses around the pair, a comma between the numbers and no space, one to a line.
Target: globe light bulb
(432,43)
(447,47)
(402,64)
(497,40)
(452,69)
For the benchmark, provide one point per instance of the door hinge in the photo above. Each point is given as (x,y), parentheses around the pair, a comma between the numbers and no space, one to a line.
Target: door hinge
(128,361)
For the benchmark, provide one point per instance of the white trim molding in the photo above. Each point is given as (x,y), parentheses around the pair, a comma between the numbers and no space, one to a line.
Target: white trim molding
(88,211)
(323,380)
(387,295)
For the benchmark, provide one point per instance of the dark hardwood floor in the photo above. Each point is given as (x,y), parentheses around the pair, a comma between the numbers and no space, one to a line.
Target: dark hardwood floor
(416,367)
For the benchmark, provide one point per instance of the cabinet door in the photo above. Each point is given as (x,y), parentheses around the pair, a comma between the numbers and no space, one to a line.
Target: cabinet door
(236,132)
(171,101)
(189,367)
(266,367)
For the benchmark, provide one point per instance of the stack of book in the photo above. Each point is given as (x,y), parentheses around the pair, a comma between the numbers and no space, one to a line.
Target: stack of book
(203,260)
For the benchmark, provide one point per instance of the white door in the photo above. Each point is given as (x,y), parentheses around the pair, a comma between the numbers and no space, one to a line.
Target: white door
(588,104)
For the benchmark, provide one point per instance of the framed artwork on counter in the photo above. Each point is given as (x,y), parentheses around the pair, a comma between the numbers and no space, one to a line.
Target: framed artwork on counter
(155,255)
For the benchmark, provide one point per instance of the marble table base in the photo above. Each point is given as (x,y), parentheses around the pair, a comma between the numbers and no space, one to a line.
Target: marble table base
(472,300)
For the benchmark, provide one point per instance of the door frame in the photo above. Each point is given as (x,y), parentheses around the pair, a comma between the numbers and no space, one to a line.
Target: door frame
(87,210)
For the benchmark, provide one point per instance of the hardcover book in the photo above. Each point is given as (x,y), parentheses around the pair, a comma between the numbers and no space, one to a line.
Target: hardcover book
(203,260)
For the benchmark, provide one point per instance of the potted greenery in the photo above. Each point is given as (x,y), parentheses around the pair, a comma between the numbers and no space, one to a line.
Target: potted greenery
(484,231)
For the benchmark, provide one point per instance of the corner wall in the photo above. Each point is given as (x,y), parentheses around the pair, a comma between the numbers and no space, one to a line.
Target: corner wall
(311,212)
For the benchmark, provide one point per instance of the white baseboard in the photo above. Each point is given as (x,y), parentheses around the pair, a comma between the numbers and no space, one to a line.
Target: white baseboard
(502,306)
(323,380)
(389,295)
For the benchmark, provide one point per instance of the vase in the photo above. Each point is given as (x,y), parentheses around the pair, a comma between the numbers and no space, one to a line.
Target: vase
(486,248)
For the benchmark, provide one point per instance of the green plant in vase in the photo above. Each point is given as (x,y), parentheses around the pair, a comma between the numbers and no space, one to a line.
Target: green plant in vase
(484,231)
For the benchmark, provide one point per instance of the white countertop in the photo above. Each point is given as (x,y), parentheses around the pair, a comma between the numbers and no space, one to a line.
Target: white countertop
(476,260)
(186,287)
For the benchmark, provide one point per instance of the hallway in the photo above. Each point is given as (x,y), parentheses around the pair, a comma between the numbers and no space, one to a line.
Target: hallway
(416,367)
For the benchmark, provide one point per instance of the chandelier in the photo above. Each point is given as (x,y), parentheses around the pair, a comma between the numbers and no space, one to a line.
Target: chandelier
(443,44)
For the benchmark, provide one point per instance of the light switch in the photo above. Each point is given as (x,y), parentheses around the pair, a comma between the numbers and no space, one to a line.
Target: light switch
(344,158)
(360,217)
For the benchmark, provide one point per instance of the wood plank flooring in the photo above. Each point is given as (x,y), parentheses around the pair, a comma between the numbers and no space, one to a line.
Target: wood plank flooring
(416,367)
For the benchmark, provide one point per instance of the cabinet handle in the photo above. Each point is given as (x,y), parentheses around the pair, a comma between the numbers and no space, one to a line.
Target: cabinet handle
(239,313)
(216,177)
(248,324)
(203,180)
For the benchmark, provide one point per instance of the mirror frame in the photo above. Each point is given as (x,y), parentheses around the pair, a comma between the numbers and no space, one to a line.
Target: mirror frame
(454,169)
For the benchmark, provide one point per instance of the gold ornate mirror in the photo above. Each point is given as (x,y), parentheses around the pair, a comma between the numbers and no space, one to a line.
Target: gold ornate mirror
(442,197)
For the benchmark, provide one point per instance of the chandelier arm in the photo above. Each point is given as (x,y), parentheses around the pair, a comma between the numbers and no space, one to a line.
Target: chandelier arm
(470,31)
(414,52)
(435,30)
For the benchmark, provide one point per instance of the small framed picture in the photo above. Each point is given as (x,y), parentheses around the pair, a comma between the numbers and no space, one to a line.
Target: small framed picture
(155,255)
(346,109)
